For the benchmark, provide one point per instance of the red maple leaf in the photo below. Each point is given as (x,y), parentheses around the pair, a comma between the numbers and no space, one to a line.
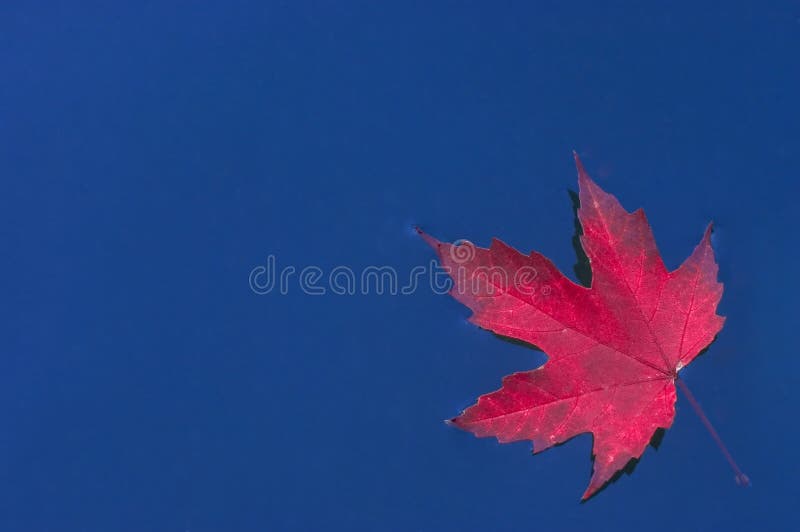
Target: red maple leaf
(614,349)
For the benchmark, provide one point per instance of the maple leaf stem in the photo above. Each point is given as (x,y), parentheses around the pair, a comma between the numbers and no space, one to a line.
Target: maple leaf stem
(741,478)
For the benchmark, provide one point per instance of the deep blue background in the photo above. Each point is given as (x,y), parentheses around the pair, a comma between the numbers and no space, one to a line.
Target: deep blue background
(153,153)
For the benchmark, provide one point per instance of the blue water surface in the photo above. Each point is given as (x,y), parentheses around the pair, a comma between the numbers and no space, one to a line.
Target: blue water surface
(154,154)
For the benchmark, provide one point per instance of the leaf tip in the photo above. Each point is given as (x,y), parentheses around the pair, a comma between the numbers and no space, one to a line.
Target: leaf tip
(591,491)
(578,163)
(432,242)
(583,176)
(707,234)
